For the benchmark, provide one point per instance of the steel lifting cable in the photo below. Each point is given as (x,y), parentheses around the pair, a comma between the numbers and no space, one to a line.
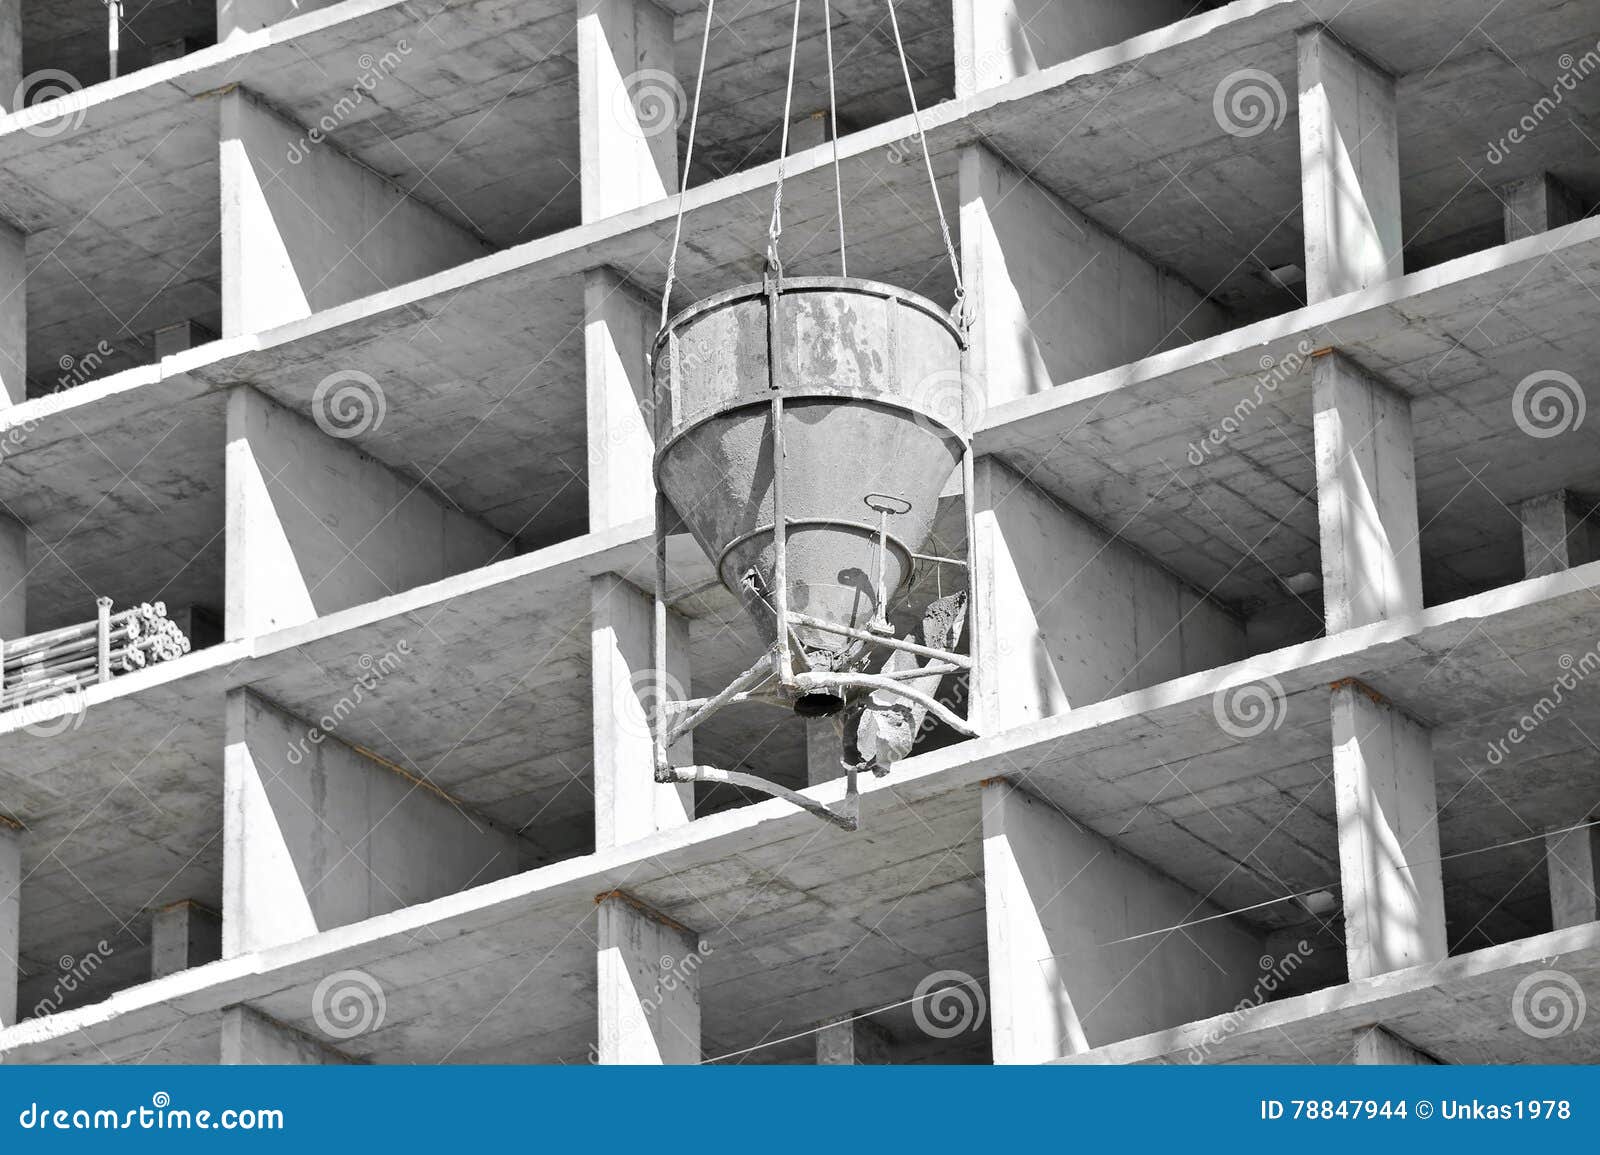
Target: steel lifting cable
(775,226)
(927,160)
(833,117)
(688,158)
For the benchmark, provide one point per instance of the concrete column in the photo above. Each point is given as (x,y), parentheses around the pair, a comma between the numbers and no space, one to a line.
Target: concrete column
(10,51)
(1061,904)
(1366,496)
(1538,204)
(619,325)
(13,283)
(183,935)
(1375,1046)
(1072,616)
(13,578)
(179,337)
(852,1043)
(1350,169)
(1000,40)
(824,751)
(10,919)
(317,836)
(628,802)
(305,228)
(1388,835)
(315,525)
(1571,857)
(649,972)
(630,103)
(1555,536)
(1054,297)
(250,1038)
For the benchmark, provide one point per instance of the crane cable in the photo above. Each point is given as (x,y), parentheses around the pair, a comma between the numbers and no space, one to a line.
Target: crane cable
(775,224)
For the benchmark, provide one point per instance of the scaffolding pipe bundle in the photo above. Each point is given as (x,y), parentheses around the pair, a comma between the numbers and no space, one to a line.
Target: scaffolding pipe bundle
(66,660)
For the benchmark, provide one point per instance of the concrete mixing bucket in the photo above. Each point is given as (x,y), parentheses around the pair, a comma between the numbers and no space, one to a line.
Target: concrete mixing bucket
(875,416)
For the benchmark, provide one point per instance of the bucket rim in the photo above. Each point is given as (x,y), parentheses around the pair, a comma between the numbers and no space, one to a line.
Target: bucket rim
(787,285)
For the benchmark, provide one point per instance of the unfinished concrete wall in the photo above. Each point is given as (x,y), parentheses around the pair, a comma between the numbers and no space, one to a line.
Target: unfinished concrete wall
(13,303)
(1055,297)
(305,228)
(1000,40)
(648,969)
(315,525)
(10,921)
(629,105)
(1062,903)
(620,323)
(317,835)
(250,1038)
(1071,615)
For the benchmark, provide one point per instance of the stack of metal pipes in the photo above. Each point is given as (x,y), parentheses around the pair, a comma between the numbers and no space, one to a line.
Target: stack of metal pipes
(64,660)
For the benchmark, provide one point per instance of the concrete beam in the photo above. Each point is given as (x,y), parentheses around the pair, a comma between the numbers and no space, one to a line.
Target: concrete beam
(316,835)
(305,228)
(1000,40)
(1350,169)
(1070,615)
(1366,496)
(1375,1046)
(852,1042)
(1571,857)
(1066,970)
(649,996)
(1388,835)
(315,526)
(10,920)
(628,802)
(1537,204)
(1055,298)
(183,935)
(630,104)
(619,325)
(1555,536)
(250,1038)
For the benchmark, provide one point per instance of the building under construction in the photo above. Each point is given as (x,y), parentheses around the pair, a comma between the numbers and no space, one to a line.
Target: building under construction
(939,531)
